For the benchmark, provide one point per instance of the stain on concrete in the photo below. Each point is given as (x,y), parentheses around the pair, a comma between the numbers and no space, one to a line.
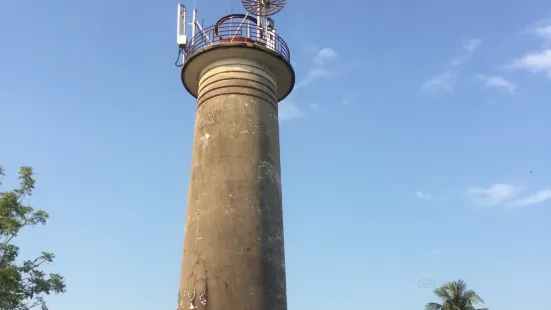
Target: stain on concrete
(233,248)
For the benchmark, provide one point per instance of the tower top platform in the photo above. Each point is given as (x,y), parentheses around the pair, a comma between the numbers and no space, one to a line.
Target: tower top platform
(238,36)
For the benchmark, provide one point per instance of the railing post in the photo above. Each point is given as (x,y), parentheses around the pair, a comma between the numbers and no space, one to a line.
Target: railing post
(208,36)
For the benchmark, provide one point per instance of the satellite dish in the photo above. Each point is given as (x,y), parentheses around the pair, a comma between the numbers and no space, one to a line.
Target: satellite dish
(263,7)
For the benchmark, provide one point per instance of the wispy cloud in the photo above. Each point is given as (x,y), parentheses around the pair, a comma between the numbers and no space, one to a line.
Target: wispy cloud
(289,111)
(544,32)
(315,106)
(423,196)
(445,81)
(349,98)
(347,102)
(540,28)
(472,45)
(507,195)
(498,82)
(432,252)
(458,61)
(321,67)
(536,198)
(325,54)
(538,61)
(493,195)
(312,75)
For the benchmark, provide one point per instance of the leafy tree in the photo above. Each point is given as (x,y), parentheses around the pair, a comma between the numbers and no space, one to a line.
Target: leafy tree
(22,285)
(455,296)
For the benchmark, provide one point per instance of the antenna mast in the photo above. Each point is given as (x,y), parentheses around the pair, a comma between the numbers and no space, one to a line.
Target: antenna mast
(181,27)
(261,9)
(181,38)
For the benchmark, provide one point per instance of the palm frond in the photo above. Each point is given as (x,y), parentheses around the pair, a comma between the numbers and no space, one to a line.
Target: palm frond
(433,306)
(443,293)
(473,297)
(454,295)
(457,288)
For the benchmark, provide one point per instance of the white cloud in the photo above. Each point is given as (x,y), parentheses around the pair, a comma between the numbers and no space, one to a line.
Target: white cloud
(311,48)
(321,68)
(536,62)
(536,198)
(537,27)
(347,102)
(288,111)
(432,252)
(438,82)
(325,54)
(458,61)
(423,196)
(472,45)
(507,195)
(321,108)
(312,75)
(314,106)
(498,82)
(446,80)
(493,195)
(544,32)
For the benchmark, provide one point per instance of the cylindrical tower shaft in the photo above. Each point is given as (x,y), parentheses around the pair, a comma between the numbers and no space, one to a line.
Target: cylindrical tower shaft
(233,248)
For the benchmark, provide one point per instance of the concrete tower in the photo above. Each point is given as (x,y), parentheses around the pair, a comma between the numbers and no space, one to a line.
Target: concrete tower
(238,70)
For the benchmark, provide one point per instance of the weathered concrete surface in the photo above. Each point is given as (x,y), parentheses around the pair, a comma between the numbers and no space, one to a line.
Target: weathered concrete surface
(233,249)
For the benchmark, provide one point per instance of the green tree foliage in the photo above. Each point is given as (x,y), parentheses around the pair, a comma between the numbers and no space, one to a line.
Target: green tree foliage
(455,296)
(23,284)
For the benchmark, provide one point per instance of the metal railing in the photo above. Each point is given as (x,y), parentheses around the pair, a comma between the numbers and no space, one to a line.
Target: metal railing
(241,30)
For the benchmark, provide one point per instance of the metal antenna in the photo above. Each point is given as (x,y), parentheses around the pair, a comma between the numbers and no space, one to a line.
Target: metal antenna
(263,8)
(181,38)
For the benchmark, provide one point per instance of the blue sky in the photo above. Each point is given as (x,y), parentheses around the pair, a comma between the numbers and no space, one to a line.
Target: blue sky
(415,147)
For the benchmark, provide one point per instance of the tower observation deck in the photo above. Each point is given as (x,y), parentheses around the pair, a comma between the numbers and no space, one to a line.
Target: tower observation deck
(238,69)
(239,36)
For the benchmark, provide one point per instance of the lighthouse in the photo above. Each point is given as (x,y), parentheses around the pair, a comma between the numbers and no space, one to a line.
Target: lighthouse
(238,70)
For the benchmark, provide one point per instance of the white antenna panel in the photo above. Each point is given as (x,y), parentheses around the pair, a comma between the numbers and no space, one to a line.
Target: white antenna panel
(181,38)
(270,40)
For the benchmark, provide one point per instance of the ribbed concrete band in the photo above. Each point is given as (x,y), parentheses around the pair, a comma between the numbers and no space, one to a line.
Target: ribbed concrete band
(237,76)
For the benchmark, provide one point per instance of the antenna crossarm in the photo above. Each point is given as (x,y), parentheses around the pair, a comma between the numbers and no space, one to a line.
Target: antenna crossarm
(203,32)
(240,25)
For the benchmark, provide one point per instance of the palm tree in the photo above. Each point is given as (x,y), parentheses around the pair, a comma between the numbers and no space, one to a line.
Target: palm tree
(455,296)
